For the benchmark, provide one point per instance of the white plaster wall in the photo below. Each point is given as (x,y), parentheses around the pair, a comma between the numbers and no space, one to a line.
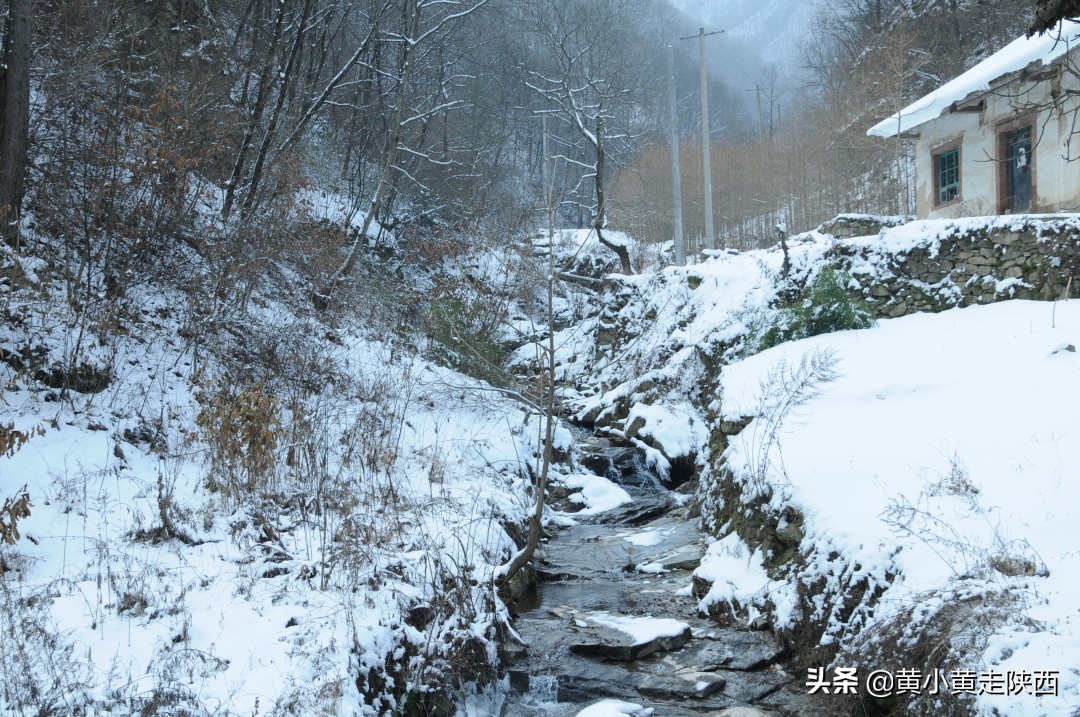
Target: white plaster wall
(1057,180)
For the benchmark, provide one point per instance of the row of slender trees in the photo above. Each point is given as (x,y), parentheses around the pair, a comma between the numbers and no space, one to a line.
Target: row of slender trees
(807,158)
(120,116)
(131,125)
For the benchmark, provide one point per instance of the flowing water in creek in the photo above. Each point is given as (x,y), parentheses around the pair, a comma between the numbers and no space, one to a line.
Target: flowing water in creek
(590,582)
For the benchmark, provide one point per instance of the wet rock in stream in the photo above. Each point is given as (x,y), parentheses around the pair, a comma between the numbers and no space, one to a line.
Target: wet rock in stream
(735,650)
(694,665)
(620,637)
(622,464)
(642,510)
(611,618)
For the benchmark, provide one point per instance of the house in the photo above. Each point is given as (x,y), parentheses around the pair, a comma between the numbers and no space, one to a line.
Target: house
(1003,137)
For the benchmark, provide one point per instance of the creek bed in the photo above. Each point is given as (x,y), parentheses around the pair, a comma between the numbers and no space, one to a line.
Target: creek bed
(610,618)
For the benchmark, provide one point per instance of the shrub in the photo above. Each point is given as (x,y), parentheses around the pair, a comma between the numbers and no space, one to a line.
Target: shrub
(40,671)
(14,509)
(465,332)
(827,306)
(241,427)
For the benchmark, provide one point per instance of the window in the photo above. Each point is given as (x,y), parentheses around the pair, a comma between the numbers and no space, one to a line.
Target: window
(947,175)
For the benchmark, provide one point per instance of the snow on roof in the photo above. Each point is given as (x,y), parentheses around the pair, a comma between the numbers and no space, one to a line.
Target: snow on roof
(1014,56)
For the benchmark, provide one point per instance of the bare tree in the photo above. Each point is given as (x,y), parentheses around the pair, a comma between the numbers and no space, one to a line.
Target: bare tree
(547,386)
(592,81)
(424,24)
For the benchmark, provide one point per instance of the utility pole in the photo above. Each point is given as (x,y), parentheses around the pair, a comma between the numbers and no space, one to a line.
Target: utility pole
(706,155)
(676,178)
(760,121)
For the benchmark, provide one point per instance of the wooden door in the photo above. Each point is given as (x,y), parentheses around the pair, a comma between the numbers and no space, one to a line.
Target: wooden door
(1018,169)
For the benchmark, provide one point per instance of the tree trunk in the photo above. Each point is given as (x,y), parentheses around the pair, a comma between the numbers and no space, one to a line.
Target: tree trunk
(547,398)
(14,116)
(266,80)
(598,221)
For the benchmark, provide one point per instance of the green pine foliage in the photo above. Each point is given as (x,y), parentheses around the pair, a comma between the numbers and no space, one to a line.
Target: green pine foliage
(466,337)
(826,306)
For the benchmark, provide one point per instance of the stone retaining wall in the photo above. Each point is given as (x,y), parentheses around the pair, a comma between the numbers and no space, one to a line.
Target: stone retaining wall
(965,262)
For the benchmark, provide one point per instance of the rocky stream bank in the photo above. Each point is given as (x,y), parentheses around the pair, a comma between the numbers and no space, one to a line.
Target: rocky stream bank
(611,616)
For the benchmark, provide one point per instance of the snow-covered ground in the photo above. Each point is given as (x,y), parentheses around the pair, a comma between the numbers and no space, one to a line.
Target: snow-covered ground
(614,708)
(942,462)
(596,493)
(935,467)
(673,327)
(336,582)
(929,462)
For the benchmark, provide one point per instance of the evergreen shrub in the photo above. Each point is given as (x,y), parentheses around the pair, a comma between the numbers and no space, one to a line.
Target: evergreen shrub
(826,306)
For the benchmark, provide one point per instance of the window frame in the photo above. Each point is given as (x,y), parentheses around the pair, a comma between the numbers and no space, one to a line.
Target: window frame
(953,145)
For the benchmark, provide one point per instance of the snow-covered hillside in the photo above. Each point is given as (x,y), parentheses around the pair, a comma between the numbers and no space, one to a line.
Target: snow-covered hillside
(940,463)
(898,497)
(290,516)
(291,512)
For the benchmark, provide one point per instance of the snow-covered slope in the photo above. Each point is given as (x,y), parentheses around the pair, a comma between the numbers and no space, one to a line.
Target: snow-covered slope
(941,463)
(303,520)
(896,497)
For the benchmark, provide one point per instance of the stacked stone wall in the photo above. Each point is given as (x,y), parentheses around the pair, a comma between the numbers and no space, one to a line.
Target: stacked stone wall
(1022,258)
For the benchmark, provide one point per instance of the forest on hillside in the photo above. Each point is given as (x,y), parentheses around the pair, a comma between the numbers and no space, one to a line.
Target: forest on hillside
(198,121)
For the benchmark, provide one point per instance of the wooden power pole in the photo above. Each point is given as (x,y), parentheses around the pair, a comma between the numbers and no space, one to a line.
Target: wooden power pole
(706,155)
(676,174)
(760,120)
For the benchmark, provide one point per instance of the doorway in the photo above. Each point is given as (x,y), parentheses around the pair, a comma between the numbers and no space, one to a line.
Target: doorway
(1017,170)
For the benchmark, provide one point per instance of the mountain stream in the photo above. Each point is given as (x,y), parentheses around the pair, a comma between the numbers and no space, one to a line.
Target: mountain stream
(610,618)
